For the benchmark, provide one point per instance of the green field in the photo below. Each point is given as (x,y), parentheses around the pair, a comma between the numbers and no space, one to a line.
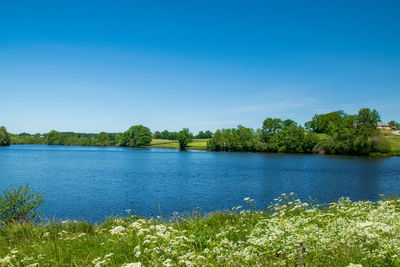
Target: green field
(199,144)
(394,141)
(291,233)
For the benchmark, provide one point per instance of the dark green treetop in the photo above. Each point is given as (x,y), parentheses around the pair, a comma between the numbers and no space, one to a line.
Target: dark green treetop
(184,138)
(5,139)
(136,136)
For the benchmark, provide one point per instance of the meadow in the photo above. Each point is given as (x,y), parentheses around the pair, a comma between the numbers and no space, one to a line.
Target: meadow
(287,233)
(198,144)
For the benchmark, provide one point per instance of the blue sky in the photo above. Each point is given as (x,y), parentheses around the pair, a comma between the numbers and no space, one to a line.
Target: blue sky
(91,66)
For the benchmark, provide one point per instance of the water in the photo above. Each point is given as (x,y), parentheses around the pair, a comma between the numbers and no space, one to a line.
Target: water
(92,183)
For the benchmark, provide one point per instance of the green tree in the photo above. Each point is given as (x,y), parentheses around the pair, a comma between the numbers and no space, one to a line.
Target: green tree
(367,122)
(136,136)
(5,139)
(394,123)
(270,127)
(310,140)
(20,204)
(291,139)
(102,139)
(54,138)
(216,143)
(184,138)
(157,135)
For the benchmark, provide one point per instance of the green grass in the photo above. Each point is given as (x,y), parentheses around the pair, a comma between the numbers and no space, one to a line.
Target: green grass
(198,144)
(294,234)
(394,141)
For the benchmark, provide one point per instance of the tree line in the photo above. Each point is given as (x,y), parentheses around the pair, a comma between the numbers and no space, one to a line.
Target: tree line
(331,133)
(135,136)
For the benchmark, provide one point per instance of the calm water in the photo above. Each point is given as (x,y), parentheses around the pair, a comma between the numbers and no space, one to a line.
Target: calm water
(92,183)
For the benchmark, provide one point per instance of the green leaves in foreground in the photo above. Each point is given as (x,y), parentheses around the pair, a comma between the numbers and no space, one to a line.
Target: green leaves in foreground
(20,204)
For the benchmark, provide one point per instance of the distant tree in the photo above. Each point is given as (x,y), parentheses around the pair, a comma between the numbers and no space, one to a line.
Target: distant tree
(157,135)
(5,139)
(204,135)
(54,138)
(102,139)
(288,122)
(291,139)
(216,143)
(310,140)
(136,136)
(164,134)
(208,134)
(394,123)
(367,122)
(320,122)
(184,138)
(270,127)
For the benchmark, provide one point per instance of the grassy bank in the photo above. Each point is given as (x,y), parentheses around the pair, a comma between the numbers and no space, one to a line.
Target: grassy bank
(301,234)
(199,144)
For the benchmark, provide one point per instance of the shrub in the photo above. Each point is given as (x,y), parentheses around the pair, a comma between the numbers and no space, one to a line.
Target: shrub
(20,204)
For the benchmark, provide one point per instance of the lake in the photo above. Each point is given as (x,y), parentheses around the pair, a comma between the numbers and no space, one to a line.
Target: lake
(92,183)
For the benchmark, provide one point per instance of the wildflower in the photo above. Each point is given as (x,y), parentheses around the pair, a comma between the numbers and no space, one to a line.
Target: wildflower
(5,260)
(134,264)
(118,230)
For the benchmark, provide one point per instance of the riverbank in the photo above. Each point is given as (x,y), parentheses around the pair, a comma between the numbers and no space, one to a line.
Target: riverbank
(201,144)
(295,233)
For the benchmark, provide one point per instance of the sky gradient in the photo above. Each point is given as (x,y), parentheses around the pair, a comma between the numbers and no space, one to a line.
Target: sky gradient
(91,66)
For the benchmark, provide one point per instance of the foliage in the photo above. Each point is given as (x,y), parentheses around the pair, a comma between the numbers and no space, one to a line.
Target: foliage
(270,127)
(331,133)
(204,135)
(394,123)
(367,122)
(70,138)
(343,134)
(136,136)
(289,233)
(235,139)
(184,138)
(20,204)
(5,139)
(165,135)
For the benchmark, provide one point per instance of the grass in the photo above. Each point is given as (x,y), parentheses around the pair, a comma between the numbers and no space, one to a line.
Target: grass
(198,144)
(394,141)
(291,233)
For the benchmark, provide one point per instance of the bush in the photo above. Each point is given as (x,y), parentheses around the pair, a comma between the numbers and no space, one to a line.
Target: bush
(19,205)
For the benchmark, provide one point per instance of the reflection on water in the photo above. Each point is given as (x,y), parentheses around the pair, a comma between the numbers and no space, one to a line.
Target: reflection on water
(95,182)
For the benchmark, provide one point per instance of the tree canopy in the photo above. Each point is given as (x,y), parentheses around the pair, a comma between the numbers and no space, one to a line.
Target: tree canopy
(136,136)
(5,139)
(331,133)
(184,138)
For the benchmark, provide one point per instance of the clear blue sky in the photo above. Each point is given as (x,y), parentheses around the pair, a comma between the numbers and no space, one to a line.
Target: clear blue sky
(90,66)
